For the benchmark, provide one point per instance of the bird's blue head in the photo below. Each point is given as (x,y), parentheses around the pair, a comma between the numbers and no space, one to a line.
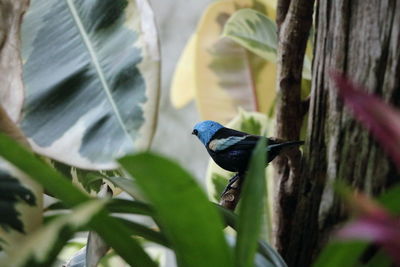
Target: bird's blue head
(205,130)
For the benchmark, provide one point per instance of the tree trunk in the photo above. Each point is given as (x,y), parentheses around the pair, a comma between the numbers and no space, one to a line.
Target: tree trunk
(362,39)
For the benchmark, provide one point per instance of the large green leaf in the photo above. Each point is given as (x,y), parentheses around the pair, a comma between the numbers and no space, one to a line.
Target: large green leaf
(341,254)
(91,72)
(111,230)
(189,220)
(42,247)
(251,208)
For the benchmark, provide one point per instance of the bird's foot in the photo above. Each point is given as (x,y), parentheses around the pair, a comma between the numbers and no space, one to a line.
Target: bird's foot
(230,186)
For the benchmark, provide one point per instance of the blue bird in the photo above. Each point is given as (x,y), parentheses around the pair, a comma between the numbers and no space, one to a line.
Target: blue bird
(232,149)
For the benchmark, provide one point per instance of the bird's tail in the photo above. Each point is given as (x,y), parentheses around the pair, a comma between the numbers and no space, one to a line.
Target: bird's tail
(285,144)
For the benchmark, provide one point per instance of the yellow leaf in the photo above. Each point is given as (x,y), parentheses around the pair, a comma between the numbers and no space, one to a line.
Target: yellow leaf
(183,82)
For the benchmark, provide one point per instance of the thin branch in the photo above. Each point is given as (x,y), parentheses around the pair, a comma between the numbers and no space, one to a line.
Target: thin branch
(282,9)
(294,19)
(231,195)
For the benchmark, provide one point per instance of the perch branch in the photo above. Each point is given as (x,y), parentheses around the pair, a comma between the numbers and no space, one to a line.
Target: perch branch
(231,195)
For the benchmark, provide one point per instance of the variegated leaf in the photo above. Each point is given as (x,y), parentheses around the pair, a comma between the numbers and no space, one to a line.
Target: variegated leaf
(42,247)
(20,205)
(91,72)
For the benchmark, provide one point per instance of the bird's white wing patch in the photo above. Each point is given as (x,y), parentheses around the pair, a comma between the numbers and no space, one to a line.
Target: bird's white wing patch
(221,144)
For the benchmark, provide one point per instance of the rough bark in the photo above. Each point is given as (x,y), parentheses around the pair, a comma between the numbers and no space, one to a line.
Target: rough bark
(362,39)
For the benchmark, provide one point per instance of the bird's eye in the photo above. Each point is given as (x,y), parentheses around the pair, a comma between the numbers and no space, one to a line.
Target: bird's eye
(195,132)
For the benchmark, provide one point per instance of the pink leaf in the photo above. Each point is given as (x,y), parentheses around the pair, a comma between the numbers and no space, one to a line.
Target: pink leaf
(379,117)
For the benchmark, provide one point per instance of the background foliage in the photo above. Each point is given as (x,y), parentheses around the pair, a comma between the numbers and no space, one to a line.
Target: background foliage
(86,105)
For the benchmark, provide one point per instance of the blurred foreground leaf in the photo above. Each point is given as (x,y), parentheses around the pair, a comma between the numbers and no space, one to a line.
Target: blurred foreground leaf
(251,208)
(112,231)
(42,247)
(189,220)
(371,223)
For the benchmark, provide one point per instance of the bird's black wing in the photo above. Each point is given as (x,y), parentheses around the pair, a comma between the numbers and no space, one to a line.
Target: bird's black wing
(227,139)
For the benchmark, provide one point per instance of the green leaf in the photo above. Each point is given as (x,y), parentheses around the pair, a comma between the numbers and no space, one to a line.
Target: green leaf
(42,247)
(130,206)
(340,254)
(127,185)
(254,31)
(264,248)
(145,232)
(91,76)
(251,208)
(380,259)
(114,233)
(391,199)
(189,220)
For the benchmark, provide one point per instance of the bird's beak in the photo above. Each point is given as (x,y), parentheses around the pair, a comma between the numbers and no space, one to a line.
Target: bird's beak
(193,132)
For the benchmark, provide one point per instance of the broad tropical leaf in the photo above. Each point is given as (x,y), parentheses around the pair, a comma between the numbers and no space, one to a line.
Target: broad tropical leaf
(91,73)
(42,247)
(182,208)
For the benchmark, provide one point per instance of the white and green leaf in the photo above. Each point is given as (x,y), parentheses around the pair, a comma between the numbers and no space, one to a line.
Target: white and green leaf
(42,247)
(20,205)
(91,74)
